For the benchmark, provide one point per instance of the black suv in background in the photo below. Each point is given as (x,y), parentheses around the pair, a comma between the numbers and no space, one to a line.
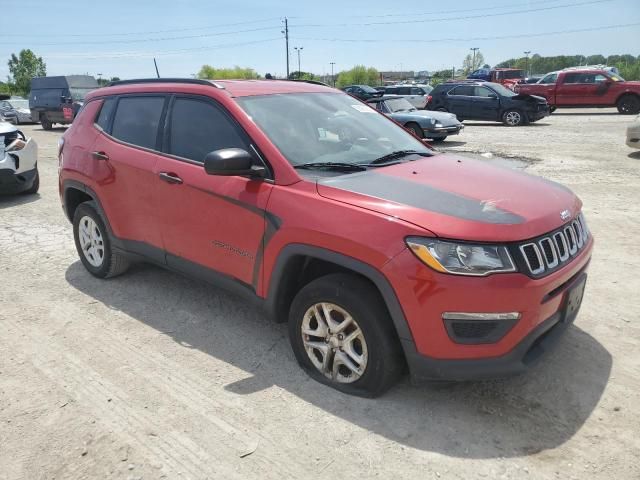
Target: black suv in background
(363,92)
(487,101)
(58,99)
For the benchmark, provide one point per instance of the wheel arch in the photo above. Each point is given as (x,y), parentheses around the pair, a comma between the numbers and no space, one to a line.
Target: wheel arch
(75,193)
(626,93)
(288,276)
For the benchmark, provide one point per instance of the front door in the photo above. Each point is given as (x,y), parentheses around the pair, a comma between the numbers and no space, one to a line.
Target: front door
(210,224)
(486,104)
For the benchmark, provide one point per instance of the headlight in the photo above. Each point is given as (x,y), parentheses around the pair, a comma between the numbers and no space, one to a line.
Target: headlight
(432,121)
(461,258)
(439,125)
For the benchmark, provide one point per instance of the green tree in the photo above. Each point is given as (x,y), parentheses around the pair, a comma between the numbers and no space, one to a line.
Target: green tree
(472,63)
(211,73)
(302,76)
(358,75)
(23,68)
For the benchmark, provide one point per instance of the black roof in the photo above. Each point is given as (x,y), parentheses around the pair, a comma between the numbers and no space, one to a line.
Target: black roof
(69,81)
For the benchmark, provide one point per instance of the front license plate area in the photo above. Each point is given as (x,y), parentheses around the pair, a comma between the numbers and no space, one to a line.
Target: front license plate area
(573,300)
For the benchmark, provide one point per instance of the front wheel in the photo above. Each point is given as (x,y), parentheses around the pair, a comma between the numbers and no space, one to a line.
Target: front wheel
(94,244)
(415,129)
(342,336)
(628,105)
(513,118)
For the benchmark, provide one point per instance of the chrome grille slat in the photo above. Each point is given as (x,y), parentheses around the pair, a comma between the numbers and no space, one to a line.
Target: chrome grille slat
(556,248)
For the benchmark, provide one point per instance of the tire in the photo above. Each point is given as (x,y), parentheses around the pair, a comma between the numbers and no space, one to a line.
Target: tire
(438,140)
(628,104)
(35,186)
(110,262)
(513,118)
(416,129)
(552,109)
(375,341)
(46,123)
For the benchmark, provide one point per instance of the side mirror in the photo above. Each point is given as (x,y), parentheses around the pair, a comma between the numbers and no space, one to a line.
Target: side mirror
(232,162)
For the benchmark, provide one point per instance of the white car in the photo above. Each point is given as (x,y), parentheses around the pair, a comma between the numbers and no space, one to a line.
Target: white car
(633,133)
(417,95)
(18,161)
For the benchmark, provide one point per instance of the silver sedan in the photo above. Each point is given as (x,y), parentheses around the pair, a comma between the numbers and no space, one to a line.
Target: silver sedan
(15,110)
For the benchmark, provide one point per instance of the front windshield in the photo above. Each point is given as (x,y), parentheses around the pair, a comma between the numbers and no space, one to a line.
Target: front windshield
(368,89)
(399,105)
(327,127)
(19,103)
(502,90)
(78,94)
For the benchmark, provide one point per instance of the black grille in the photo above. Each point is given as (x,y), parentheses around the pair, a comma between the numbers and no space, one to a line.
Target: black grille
(473,330)
(555,249)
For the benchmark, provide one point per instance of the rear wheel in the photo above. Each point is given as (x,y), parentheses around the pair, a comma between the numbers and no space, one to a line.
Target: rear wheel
(46,123)
(94,244)
(629,104)
(416,129)
(342,335)
(513,118)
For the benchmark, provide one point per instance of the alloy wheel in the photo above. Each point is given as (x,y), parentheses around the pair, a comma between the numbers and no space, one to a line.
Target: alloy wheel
(334,342)
(513,118)
(91,241)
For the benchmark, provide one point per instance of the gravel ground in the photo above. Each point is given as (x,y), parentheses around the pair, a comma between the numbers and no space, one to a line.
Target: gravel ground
(151,375)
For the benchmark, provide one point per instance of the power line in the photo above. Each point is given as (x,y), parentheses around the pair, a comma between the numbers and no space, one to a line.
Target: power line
(436,12)
(138,54)
(468,39)
(153,32)
(450,19)
(147,40)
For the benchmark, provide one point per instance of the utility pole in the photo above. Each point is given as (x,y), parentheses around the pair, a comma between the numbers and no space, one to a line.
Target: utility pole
(473,62)
(333,79)
(526,62)
(286,42)
(298,49)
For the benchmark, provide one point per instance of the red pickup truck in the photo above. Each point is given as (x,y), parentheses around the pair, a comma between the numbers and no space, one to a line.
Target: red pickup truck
(586,88)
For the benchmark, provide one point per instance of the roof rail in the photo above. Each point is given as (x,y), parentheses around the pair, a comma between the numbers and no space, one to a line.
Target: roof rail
(196,81)
(589,67)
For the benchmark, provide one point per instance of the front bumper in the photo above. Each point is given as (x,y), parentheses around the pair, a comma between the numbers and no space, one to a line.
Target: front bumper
(12,182)
(539,114)
(441,132)
(432,353)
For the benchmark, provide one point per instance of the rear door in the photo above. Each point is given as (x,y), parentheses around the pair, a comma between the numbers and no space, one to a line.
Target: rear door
(125,153)
(582,88)
(486,104)
(460,100)
(215,222)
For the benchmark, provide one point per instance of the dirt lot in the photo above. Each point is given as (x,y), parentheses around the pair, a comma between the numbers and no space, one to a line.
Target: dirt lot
(151,375)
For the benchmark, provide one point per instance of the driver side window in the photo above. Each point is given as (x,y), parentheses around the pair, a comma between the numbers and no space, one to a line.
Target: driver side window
(551,78)
(197,128)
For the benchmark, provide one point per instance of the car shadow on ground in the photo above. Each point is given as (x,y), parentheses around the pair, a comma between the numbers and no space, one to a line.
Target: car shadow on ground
(634,155)
(447,144)
(588,114)
(7,201)
(478,123)
(519,416)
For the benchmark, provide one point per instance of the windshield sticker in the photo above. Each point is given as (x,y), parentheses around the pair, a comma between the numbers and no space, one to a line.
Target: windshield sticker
(363,108)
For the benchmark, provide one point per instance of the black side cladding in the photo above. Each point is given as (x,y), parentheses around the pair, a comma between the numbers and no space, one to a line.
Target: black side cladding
(421,196)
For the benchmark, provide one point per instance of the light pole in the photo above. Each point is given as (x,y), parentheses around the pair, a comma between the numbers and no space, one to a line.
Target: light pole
(298,49)
(333,79)
(526,62)
(473,61)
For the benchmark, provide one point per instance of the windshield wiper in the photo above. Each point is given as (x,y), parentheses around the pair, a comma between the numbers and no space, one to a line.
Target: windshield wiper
(331,166)
(385,159)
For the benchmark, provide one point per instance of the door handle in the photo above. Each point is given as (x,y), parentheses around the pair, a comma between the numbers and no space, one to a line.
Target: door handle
(99,156)
(170,177)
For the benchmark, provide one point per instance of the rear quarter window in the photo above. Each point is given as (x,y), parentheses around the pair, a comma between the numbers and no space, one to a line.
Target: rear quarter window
(137,119)
(105,115)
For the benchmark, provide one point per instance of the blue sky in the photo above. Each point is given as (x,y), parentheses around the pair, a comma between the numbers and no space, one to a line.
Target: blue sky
(120,38)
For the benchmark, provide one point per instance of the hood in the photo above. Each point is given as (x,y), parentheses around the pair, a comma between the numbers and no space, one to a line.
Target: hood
(458,198)
(438,116)
(527,96)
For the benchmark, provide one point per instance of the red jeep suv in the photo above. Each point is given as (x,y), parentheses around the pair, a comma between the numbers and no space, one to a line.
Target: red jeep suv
(380,253)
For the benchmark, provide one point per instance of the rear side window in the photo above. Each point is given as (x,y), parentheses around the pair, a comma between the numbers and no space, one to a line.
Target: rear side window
(106,113)
(198,127)
(467,90)
(573,78)
(136,120)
